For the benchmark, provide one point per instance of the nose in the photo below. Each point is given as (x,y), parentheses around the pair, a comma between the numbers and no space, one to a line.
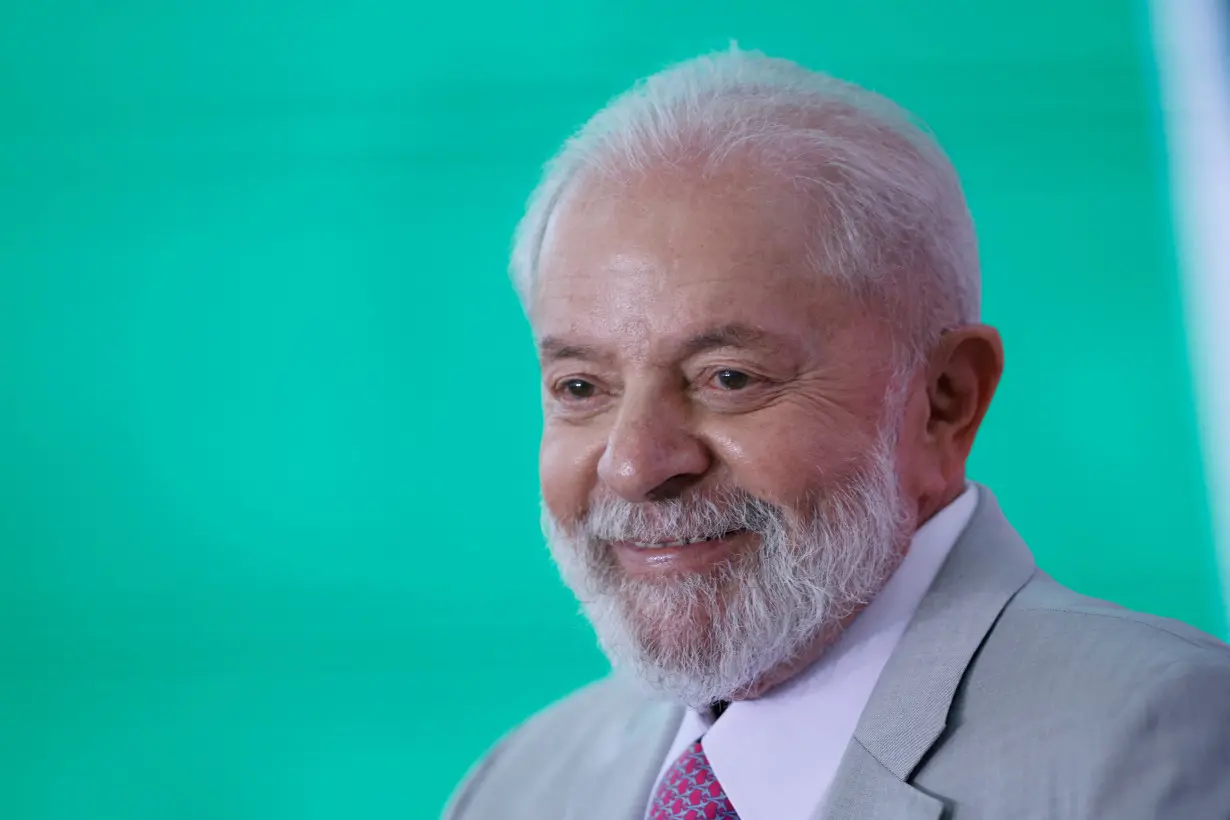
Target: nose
(651,453)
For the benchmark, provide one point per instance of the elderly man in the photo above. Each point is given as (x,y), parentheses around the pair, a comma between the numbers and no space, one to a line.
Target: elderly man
(755,295)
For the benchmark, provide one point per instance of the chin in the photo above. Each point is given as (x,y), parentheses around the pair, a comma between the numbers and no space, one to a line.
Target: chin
(679,645)
(688,634)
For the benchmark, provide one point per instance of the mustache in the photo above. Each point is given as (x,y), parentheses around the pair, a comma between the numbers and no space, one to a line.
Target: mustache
(714,514)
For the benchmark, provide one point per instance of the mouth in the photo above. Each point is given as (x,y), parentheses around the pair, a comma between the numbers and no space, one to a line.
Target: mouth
(667,559)
(682,542)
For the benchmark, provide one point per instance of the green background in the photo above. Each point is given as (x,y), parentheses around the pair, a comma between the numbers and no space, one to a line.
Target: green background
(268,410)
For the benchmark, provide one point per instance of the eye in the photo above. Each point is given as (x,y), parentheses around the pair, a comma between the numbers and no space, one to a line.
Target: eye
(728,379)
(576,389)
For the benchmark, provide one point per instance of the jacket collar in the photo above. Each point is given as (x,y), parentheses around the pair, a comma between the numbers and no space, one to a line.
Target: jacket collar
(908,710)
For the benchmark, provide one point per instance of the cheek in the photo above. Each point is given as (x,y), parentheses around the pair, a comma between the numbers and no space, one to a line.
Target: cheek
(913,453)
(788,464)
(567,470)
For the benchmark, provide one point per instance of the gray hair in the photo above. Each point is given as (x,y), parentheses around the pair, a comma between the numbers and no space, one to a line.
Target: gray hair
(893,222)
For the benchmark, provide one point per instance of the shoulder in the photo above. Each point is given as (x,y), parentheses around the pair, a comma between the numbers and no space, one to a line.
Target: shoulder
(592,710)
(1056,650)
(1050,623)
(568,744)
(1108,711)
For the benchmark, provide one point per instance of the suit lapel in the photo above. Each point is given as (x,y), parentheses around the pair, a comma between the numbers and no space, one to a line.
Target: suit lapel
(863,787)
(909,708)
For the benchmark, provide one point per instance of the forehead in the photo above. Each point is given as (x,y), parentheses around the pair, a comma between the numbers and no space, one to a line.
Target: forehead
(672,254)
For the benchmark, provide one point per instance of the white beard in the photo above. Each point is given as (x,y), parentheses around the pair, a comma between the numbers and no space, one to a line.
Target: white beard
(700,638)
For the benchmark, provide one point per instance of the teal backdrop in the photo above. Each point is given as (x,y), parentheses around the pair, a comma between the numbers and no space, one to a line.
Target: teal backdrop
(269,536)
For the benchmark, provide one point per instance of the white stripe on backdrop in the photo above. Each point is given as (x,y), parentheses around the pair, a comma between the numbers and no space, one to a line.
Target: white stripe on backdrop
(1192,40)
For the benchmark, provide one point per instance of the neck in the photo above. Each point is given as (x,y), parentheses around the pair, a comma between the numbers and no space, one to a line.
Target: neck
(930,504)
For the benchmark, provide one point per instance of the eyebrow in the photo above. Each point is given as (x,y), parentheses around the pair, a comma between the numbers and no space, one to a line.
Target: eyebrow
(553,349)
(731,335)
(728,335)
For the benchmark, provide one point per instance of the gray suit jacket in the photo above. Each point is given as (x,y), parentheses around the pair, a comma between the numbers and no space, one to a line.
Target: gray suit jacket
(1009,696)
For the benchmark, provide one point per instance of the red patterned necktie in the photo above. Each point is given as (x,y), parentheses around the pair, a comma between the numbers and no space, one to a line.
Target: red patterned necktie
(690,791)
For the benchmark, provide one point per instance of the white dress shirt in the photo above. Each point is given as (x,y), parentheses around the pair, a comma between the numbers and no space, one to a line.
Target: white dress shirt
(775,756)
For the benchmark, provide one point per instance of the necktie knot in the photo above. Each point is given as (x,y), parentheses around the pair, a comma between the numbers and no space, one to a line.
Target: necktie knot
(690,791)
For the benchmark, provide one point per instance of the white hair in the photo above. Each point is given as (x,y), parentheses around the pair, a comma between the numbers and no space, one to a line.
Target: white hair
(892,219)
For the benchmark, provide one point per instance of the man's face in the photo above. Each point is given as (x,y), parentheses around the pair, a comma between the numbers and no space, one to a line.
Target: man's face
(718,457)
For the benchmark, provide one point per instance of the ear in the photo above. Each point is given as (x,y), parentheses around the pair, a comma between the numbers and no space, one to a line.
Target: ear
(963,372)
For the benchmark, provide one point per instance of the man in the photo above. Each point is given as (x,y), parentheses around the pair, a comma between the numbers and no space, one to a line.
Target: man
(755,295)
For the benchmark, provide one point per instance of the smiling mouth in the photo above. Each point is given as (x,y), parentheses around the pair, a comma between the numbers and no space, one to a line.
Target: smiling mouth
(683,542)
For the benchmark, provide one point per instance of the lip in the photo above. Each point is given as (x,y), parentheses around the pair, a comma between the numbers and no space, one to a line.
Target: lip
(698,557)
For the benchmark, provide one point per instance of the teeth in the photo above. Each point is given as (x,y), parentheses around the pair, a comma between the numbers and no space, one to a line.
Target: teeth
(658,545)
